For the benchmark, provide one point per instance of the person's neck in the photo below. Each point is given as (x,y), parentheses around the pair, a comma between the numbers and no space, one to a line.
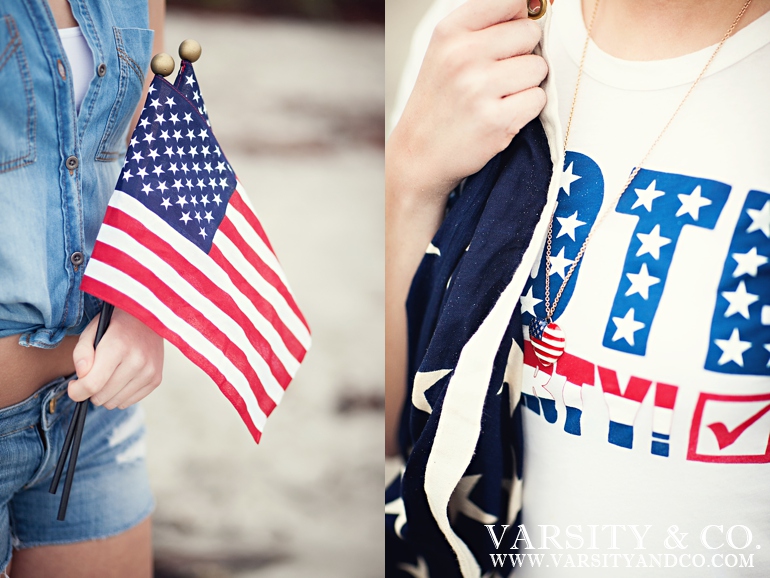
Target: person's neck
(658,29)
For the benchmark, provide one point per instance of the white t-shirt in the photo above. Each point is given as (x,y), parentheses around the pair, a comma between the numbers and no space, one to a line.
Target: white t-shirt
(81,61)
(658,413)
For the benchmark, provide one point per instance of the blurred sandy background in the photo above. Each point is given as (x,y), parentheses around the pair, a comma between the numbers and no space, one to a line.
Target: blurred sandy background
(297,107)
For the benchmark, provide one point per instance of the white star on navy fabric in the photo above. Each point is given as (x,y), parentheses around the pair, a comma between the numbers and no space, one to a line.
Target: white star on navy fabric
(645,197)
(159,165)
(568,225)
(733,348)
(760,219)
(748,263)
(692,203)
(626,327)
(424,380)
(739,300)
(460,502)
(396,507)
(559,263)
(651,243)
(567,178)
(641,282)
(418,571)
(528,302)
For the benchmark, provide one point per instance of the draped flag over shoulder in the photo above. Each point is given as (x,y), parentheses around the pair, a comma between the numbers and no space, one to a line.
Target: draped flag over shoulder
(182,250)
(461,426)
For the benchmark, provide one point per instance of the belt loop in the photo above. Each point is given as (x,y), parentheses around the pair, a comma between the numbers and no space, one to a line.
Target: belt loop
(51,402)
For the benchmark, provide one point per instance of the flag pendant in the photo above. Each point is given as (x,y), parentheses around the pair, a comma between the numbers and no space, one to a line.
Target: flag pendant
(547,340)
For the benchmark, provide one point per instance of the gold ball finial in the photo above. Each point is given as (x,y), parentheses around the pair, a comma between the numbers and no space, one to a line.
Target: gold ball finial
(162,64)
(190,50)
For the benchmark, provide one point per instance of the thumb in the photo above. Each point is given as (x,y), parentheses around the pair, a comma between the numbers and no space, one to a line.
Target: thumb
(83,354)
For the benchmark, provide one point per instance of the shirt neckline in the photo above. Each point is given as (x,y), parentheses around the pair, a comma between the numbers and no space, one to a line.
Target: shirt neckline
(70,32)
(652,74)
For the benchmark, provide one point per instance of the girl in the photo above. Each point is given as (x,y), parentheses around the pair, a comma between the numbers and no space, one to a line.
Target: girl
(619,307)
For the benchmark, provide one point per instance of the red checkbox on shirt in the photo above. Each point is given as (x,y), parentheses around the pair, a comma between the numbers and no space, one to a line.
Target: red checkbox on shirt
(731,429)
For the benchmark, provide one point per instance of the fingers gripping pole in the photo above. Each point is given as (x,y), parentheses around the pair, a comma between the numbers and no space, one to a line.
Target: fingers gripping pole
(75,430)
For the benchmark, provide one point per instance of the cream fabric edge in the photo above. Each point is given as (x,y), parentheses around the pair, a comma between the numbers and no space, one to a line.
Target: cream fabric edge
(459,424)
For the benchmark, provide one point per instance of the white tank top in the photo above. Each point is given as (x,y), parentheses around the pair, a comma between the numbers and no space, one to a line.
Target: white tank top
(80,59)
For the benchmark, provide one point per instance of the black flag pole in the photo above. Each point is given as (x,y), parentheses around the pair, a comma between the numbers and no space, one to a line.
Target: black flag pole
(75,430)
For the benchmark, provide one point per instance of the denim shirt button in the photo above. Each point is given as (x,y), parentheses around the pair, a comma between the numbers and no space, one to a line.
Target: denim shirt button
(77,258)
(102,70)
(72,162)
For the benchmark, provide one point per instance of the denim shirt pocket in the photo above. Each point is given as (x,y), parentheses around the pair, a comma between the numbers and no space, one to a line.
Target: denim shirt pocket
(134,48)
(17,115)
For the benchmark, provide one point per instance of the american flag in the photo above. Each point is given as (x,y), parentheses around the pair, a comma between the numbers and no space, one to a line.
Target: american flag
(182,250)
(461,427)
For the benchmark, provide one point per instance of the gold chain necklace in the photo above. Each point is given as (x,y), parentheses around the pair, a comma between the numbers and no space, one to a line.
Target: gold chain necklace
(547,338)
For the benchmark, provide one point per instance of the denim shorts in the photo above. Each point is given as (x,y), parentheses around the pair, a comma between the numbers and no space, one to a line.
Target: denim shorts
(110,491)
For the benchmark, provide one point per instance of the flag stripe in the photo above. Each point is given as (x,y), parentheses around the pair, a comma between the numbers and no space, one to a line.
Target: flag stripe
(239,200)
(243,285)
(233,234)
(139,241)
(224,252)
(537,344)
(552,339)
(255,243)
(170,326)
(256,347)
(131,269)
(245,228)
(129,305)
(209,266)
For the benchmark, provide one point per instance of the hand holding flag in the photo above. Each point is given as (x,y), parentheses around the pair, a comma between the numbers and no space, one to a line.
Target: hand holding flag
(182,250)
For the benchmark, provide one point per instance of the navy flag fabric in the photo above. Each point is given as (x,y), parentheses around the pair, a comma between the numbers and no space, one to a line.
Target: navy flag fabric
(464,472)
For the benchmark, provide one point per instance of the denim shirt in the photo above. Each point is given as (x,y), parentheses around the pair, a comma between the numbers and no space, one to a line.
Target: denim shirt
(58,168)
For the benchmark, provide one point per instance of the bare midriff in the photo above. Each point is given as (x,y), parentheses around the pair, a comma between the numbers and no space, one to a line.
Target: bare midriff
(24,370)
